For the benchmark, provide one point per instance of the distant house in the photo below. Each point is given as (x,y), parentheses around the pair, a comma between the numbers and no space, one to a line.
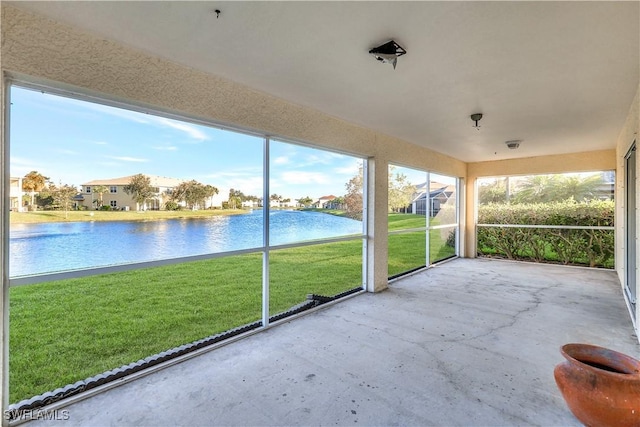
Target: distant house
(251,204)
(284,202)
(606,190)
(325,202)
(117,198)
(15,194)
(439,194)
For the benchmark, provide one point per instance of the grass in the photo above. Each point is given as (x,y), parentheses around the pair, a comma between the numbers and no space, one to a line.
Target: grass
(408,250)
(69,330)
(77,216)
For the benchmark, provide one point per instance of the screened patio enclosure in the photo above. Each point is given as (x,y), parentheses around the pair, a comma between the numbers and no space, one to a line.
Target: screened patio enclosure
(276,74)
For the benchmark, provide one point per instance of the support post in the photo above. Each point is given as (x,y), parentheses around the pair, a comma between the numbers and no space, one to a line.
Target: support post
(377,176)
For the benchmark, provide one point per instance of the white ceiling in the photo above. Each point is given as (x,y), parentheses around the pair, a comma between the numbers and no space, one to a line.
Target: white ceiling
(561,76)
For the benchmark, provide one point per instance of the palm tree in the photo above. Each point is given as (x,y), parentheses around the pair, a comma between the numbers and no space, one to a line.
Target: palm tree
(493,191)
(99,189)
(305,201)
(33,182)
(554,188)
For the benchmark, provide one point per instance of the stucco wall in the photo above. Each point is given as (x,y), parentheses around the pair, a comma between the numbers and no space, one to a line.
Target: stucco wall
(628,135)
(574,162)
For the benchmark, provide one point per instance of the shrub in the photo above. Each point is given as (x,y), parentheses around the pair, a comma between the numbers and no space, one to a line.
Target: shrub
(568,246)
(451,239)
(172,206)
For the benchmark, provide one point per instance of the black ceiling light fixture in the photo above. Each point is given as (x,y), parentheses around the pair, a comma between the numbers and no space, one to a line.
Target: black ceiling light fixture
(476,118)
(388,53)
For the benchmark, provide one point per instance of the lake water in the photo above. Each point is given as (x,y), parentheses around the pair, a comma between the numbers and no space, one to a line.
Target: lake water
(52,247)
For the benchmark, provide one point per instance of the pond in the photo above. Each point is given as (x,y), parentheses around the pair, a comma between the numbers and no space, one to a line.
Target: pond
(53,247)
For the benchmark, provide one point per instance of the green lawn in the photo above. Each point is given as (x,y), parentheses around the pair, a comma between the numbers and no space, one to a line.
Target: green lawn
(69,330)
(407,251)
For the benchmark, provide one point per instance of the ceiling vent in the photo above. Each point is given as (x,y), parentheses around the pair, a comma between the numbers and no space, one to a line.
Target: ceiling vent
(513,144)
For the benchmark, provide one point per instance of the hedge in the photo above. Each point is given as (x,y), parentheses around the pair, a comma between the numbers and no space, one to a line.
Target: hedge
(567,246)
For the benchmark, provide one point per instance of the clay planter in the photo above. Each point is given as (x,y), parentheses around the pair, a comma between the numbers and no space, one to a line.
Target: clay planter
(600,386)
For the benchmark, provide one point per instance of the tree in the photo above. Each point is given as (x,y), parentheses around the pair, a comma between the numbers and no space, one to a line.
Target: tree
(556,188)
(236,197)
(305,201)
(63,196)
(338,202)
(492,192)
(100,190)
(401,191)
(353,197)
(193,193)
(140,188)
(278,199)
(33,182)
(578,188)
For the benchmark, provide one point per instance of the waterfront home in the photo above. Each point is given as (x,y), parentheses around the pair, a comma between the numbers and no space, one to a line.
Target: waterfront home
(15,194)
(324,202)
(118,199)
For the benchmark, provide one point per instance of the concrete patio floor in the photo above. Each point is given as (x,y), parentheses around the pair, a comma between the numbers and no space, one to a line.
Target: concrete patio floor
(472,342)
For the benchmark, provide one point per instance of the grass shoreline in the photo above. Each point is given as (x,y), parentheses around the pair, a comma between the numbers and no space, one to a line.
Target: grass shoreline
(36,217)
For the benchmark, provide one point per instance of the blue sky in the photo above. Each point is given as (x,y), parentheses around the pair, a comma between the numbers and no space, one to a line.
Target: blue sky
(73,142)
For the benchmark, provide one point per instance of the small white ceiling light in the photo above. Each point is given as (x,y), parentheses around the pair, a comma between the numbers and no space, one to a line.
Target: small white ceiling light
(513,144)
(388,53)
(476,118)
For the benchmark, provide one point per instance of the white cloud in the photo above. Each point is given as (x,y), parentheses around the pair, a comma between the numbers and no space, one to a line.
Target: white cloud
(20,166)
(350,169)
(133,116)
(189,129)
(304,177)
(282,160)
(166,148)
(108,164)
(249,185)
(21,161)
(237,172)
(129,159)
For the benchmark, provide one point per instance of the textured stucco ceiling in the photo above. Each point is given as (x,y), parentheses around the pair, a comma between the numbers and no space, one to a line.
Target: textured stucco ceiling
(561,76)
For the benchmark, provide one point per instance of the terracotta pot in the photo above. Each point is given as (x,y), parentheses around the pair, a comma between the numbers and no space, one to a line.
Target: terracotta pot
(600,386)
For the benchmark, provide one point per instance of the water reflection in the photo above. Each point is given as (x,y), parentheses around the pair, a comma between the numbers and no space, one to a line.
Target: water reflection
(51,247)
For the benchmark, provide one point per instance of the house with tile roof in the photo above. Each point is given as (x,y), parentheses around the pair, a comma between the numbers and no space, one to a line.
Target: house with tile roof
(324,202)
(118,199)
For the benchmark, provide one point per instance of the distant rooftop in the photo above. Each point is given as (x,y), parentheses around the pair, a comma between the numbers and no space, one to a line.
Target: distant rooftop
(156,181)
